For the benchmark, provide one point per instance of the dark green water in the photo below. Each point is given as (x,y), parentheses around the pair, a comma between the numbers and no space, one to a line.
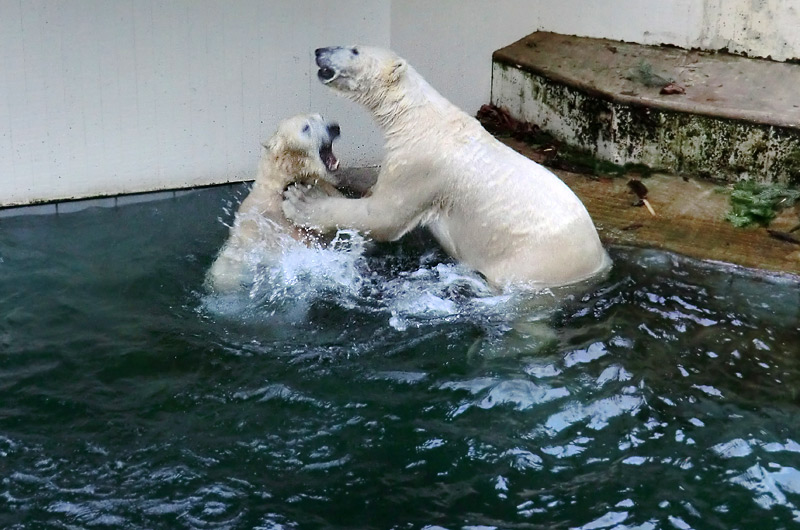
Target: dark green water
(381,389)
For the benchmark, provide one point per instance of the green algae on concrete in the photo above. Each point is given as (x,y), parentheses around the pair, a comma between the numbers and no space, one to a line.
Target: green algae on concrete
(582,92)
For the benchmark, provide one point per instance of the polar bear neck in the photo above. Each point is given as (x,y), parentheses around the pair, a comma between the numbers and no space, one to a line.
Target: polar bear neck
(399,106)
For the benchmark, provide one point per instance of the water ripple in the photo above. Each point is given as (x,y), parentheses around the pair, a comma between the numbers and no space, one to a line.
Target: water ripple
(592,353)
(596,415)
(383,386)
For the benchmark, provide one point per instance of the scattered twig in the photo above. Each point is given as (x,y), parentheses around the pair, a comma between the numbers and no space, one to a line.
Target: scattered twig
(783,236)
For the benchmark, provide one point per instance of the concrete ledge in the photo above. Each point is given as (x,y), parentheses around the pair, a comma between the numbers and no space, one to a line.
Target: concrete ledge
(689,220)
(77,205)
(737,118)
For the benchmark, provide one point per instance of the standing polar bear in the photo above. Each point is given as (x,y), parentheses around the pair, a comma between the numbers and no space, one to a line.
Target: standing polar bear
(300,151)
(491,208)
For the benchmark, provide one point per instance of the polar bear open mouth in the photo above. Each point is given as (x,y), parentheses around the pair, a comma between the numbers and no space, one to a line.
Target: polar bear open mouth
(328,158)
(327,74)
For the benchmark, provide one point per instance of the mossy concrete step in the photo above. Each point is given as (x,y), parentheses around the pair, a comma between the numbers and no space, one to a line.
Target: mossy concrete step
(736,118)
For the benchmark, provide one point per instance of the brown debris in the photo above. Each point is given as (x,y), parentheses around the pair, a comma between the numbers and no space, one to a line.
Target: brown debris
(640,190)
(632,226)
(672,89)
(497,120)
(691,220)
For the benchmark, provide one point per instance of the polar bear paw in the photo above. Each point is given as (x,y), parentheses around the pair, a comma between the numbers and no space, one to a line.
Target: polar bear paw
(300,204)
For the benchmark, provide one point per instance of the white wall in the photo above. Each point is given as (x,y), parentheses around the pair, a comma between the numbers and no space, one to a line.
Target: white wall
(101,97)
(756,27)
(451,41)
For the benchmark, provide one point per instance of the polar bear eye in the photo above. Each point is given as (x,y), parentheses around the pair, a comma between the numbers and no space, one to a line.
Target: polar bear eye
(306,128)
(355,51)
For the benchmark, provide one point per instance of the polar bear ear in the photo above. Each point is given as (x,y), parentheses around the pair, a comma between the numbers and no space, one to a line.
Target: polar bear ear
(275,144)
(398,68)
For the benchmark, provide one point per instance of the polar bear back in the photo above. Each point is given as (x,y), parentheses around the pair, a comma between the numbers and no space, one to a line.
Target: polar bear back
(540,231)
(498,211)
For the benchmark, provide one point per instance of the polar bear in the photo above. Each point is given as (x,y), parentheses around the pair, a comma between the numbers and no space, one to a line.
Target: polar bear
(489,207)
(300,151)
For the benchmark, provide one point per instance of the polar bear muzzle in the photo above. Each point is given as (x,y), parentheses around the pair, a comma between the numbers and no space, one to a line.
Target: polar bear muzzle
(334,62)
(327,72)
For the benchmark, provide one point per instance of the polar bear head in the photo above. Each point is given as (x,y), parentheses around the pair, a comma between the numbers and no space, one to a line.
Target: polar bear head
(302,147)
(359,70)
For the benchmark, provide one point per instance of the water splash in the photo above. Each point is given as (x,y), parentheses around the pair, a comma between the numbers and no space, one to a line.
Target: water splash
(285,285)
(344,275)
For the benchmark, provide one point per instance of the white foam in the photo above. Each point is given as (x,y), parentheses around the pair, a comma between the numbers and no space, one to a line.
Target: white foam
(286,284)
(341,274)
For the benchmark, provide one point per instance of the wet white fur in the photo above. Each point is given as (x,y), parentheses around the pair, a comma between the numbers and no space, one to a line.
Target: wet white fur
(260,231)
(488,206)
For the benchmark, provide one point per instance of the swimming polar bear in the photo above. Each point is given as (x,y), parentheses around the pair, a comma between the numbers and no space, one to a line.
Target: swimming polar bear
(489,207)
(300,151)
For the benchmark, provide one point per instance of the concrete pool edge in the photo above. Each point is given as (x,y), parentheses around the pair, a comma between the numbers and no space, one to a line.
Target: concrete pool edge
(358,179)
(77,205)
(689,221)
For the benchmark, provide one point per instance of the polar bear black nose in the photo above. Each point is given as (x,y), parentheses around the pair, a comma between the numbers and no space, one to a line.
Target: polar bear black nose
(333,130)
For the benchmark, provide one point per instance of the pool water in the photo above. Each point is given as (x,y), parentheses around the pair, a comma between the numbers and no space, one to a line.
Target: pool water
(381,386)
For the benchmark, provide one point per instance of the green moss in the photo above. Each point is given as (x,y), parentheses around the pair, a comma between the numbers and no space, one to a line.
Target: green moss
(716,148)
(578,160)
(662,140)
(759,148)
(643,73)
(792,162)
(754,203)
